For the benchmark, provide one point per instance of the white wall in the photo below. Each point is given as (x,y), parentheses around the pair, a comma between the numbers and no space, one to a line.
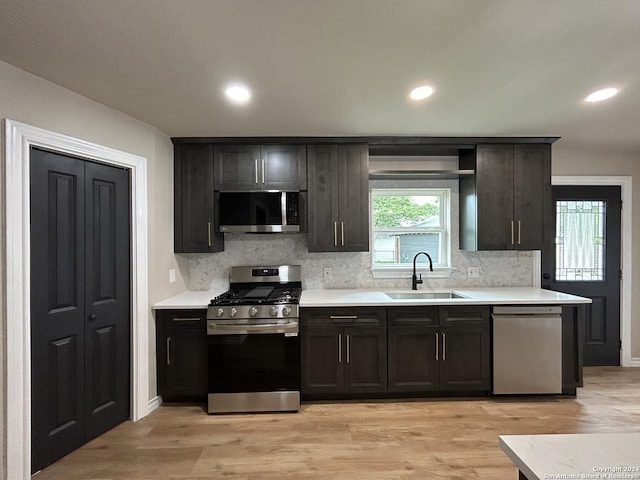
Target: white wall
(34,101)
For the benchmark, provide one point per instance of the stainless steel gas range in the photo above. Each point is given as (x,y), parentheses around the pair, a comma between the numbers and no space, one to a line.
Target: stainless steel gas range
(253,342)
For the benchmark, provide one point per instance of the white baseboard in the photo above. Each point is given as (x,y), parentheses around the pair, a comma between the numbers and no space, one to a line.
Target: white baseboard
(632,362)
(154,403)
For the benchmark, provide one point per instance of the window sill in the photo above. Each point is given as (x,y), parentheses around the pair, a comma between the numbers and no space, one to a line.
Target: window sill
(407,272)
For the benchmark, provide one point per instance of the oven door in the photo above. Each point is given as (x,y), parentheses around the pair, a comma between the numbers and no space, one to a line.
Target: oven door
(250,364)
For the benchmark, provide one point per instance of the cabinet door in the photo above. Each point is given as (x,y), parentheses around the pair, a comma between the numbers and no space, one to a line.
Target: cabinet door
(195,218)
(532,211)
(412,359)
(238,167)
(365,359)
(465,358)
(283,167)
(494,184)
(322,164)
(322,356)
(353,191)
(182,354)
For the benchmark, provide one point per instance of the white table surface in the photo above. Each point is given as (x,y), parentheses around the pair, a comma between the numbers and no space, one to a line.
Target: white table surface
(585,455)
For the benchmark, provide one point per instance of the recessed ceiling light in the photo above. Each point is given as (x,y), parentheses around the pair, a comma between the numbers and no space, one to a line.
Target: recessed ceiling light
(238,93)
(603,94)
(422,92)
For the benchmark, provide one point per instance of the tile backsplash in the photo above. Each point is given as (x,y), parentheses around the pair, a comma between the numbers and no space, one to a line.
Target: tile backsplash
(353,270)
(348,270)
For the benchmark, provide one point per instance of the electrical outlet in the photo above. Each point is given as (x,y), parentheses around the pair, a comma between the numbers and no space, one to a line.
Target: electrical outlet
(172,275)
(326,273)
(473,272)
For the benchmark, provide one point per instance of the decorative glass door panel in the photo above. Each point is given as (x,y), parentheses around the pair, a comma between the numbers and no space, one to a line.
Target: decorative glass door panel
(580,240)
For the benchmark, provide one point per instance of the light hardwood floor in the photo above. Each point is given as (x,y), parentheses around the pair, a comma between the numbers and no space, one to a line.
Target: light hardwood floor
(419,439)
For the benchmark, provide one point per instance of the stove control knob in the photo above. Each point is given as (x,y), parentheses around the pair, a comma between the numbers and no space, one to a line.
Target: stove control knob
(220,312)
(273,311)
(286,311)
(233,312)
(253,311)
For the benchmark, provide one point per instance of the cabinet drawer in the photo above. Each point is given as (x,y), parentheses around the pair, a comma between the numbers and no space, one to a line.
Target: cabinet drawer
(467,314)
(185,319)
(415,316)
(347,316)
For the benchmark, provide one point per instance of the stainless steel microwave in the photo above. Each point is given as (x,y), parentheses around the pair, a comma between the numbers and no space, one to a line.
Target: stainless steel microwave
(258,212)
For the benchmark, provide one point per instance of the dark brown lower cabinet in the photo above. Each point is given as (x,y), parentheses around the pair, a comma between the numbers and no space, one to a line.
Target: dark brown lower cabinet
(429,349)
(444,349)
(181,346)
(343,351)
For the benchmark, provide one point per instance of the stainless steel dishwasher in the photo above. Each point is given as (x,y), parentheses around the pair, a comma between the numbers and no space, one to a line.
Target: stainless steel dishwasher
(527,349)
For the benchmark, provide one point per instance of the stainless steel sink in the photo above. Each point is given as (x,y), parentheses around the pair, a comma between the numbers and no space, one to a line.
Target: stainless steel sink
(421,295)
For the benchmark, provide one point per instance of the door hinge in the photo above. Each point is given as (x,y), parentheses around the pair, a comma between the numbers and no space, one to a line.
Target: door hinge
(620,277)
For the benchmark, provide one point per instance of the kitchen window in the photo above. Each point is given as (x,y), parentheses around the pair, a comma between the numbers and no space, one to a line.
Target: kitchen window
(408,221)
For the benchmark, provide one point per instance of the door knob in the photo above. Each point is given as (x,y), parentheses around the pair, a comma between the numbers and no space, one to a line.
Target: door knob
(92,316)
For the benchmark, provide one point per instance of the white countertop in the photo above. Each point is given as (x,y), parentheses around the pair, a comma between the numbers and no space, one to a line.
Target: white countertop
(588,455)
(377,297)
(189,299)
(471,296)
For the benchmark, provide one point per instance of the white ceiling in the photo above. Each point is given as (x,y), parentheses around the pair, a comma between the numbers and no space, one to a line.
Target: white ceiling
(344,67)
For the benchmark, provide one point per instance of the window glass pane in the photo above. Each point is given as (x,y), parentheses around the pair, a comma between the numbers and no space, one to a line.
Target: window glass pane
(408,221)
(406,211)
(580,240)
(390,247)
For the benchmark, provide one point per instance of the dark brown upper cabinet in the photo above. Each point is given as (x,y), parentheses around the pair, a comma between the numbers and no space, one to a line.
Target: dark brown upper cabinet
(506,205)
(196,224)
(338,210)
(260,167)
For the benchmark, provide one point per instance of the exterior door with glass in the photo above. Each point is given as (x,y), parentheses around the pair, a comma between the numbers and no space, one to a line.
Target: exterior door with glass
(585,260)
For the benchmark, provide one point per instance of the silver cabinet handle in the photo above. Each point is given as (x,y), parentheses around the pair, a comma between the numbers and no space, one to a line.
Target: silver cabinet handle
(256,170)
(348,348)
(209,232)
(263,168)
(512,242)
(168,351)
(339,348)
(343,317)
(437,346)
(335,233)
(185,319)
(519,231)
(342,232)
(444,347)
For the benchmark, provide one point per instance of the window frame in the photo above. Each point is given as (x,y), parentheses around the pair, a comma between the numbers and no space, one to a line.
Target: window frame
(404,270)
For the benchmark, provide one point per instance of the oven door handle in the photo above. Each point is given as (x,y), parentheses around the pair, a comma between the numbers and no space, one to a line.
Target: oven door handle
(288,328)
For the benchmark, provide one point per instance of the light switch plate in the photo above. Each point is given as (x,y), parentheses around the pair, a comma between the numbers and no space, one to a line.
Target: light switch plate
(172,275)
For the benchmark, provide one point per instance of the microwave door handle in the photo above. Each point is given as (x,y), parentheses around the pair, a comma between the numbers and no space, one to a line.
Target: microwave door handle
(256,170)
(283,207)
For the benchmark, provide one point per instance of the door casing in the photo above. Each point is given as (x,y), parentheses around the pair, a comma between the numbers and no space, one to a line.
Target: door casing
(19,138)
(625,183)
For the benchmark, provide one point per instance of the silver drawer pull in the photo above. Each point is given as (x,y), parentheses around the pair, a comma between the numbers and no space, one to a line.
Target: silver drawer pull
(437,346)
(339,348)
(168,351)
(343,317)
(185,319)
